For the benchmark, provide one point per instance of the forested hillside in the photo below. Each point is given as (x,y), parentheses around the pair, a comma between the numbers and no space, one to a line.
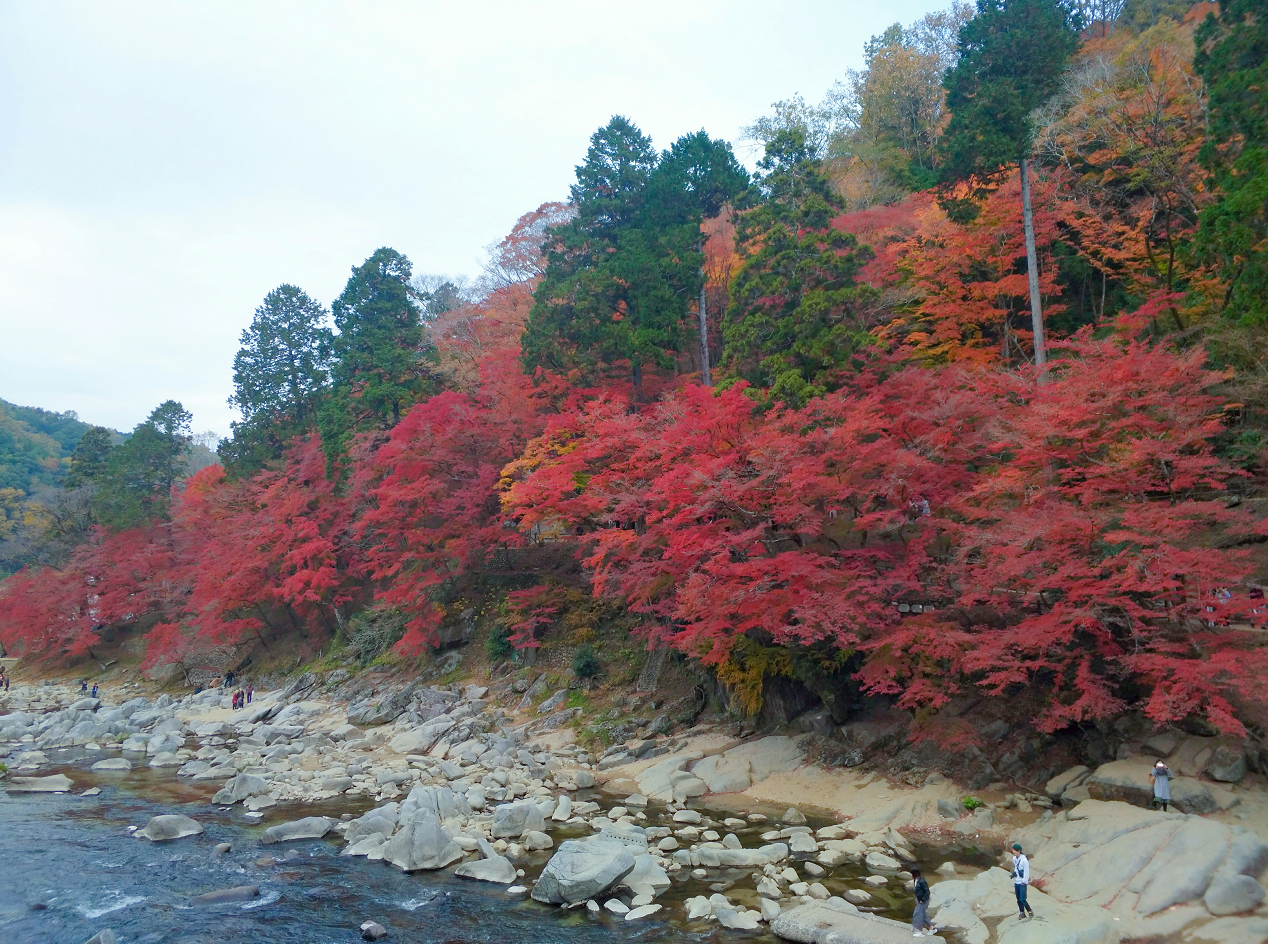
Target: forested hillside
(962,392)
(35,444)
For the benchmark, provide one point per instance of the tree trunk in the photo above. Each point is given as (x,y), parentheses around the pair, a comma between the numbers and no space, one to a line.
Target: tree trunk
(704,337)
(1032,272)
(636,375)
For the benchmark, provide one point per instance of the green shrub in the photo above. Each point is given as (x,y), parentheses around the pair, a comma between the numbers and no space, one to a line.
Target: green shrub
(971,803)
(498,645)
(585,662)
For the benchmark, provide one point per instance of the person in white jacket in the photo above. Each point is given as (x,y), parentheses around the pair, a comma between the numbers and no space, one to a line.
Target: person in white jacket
(1021,881)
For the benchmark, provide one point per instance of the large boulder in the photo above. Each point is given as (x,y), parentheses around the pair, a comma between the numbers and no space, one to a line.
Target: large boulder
(241,787)
(1128,780)
(768,755)
(1063,781)
(422,739)
(1183,868)
(226,895)
(1232,894)
(113,763)
(838,922)
(1227,764)
(512,820)
(492,868)
(724,774)
(169,826)
(421,844)
(383,711)
(583,869)
(310,827)
(57,783)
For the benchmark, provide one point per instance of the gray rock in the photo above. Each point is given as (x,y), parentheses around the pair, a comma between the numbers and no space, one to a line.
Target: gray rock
(169,826)
(1232,894)
(104,936)
(883,864)
(373,931)
(838,922)
(113,763)
(553,702)
(421,844)
(584,779)
(492,868)
(737,920)
(310,827)
(1248,855)
(512,820)
(240,788)
(57,783)
(794,817)
(949,810)
(1160,745)
(1063,781)
(384,710)
(1227,764)
(1183,867)
(583,869)
(224,895)
(1128,780)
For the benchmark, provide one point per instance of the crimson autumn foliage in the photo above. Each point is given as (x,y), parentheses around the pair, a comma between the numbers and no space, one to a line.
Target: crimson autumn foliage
(1063,551)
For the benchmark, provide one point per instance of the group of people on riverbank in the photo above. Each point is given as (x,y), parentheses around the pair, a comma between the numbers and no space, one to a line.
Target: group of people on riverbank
(1159,777)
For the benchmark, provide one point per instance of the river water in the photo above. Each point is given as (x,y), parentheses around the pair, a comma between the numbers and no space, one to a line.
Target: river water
(69,868)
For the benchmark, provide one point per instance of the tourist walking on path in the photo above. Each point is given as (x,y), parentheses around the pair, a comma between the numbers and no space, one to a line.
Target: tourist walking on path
(1161,779)
(250,692)
(920,916)
(1021,881)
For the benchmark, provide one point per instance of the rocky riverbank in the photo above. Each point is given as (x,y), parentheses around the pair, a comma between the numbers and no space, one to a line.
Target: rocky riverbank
(487,786)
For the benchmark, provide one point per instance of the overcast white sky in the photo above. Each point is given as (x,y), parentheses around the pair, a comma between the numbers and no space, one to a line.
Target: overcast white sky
(163,165)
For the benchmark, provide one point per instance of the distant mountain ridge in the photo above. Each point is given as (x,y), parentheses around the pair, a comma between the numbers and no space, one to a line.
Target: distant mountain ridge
(35,444)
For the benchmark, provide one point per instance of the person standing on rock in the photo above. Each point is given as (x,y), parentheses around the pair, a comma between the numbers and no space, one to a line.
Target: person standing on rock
(250,692)
(1021,881)
(920,916)
(1160,776)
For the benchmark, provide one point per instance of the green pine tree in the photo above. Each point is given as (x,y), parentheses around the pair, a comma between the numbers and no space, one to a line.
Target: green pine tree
(89,461)
(383,361)
(279,377)
(792,327)
(142,471)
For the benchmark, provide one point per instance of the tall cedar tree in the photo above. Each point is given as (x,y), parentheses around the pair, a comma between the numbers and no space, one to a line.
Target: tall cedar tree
(89,460)
(696,178)
(1012,54)
(791,328)
(383,361)
(279,375)
(602,299)
(1232,58)
(141,473)
(622,276)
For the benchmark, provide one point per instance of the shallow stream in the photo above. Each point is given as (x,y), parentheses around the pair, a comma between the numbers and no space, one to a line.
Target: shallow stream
(69,868)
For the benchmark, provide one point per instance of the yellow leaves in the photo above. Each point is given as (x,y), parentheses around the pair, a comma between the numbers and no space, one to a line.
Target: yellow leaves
(11,511)
(745,670)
